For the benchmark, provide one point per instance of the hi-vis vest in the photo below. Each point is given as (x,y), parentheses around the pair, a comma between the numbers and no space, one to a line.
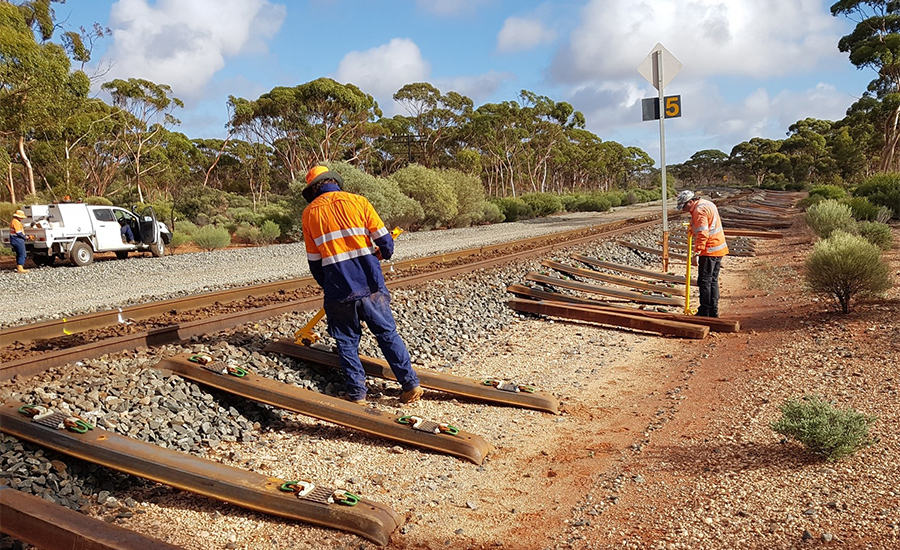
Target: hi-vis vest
(339,230)
(706,226)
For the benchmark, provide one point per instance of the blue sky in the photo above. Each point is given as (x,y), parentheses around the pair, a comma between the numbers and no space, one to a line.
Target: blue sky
(750,67)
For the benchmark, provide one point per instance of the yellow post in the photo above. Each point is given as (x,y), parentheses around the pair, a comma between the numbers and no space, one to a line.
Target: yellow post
(687,276)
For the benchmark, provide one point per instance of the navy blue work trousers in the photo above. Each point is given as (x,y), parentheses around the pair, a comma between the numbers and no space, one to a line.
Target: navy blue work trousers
(708,281)
(18,244)
(344,326)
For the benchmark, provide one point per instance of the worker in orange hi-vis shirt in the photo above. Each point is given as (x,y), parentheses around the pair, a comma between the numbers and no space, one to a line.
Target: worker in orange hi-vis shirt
(709,248)
(345,241)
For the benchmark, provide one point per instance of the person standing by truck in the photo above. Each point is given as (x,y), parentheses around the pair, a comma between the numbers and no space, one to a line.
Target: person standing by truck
(17,239)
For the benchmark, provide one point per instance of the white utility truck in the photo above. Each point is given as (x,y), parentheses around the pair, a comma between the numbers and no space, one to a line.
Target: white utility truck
(77,231)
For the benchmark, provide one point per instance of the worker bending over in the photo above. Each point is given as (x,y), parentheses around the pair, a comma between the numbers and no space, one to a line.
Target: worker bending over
(341,231)
(709,248)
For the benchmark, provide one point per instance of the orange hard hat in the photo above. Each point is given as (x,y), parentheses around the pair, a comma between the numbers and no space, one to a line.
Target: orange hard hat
(315,172)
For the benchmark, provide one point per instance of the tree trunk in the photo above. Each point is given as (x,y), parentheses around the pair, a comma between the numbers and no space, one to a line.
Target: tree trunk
(28,168)
(9,183)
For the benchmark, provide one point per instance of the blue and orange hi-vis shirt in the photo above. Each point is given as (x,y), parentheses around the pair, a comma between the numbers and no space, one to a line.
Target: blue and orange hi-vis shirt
(340,231)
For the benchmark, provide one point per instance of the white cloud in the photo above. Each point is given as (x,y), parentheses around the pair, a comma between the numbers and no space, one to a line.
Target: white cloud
(756,38)
(183,44)
(519,34)
(478,87)
(383,70)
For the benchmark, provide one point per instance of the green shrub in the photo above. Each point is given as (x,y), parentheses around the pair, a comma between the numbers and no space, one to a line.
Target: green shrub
(513,208)
(882,190)
(809,200)
(469,197)
(428,188)
(828,192)
(269,232)
(570,201)
(244,232)
(542,204)
(211,237)
(826,431)
(490,213)
(6,251)
(395,208)
(829,215)
(876,233)
(179,239)
(844,266)
(596,202)
(616,198)
(862,209)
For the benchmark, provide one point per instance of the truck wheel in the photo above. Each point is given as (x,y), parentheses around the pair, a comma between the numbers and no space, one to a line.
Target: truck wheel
(121,254)
(43,259)
(81,254)
(158,249)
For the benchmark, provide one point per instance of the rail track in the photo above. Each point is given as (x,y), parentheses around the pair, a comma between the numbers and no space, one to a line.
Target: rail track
(31,349)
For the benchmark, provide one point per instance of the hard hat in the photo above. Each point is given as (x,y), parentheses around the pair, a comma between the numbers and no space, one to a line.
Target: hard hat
(19,214)
(683,198)
(316,175)
(321,173)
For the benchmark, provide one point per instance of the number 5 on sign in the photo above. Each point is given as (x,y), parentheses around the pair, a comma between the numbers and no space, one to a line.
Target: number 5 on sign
(650,107)
(673,106)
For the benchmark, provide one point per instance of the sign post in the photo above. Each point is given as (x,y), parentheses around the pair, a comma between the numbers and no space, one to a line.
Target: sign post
(659,67)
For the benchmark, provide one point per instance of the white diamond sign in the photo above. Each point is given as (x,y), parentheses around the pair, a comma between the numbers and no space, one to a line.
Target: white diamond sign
(650,70)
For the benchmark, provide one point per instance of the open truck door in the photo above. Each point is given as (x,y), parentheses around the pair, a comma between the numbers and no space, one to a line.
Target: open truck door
(150,234)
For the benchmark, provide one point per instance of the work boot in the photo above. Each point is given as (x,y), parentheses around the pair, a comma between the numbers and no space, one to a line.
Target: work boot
(21,269)
(411,395)
(356,401)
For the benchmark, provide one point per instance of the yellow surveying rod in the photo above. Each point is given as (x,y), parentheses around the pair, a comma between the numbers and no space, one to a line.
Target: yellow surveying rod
(305,336)
(687,276)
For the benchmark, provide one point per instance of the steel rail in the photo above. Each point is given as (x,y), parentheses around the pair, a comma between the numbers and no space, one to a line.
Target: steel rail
(48,525)
(448,383)
(79,323)
(179,332)
(369,519)
(460,444)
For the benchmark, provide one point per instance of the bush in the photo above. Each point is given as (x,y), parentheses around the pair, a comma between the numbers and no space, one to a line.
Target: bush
(469,197)
(829,215)
(581,202)
(826,431)
(395,208)
(828,192)
(490,213)
(6,251)
(269,232)
(542,204)
(862,209)
(99,201)
(513,208)
(211,237)
(876,233)
(809,200)
(246,233)
(882,190)
(844,266)
(428,188)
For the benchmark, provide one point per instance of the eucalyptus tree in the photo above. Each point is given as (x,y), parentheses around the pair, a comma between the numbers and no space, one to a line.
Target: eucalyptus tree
(704,167)
(144,113)
(36,86)
(875,44)
(760,158)
(316,122)
(434,119)
(808,147)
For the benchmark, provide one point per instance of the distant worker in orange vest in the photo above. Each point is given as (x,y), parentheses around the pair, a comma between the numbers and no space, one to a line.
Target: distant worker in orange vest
(709,248)
(17,239)
(345,241)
